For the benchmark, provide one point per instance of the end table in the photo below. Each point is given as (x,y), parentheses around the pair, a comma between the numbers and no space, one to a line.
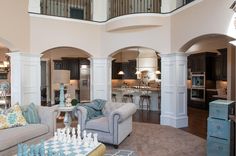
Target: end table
(68,112)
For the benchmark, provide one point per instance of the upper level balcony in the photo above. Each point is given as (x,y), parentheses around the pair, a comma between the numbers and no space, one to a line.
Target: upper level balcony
(102,10)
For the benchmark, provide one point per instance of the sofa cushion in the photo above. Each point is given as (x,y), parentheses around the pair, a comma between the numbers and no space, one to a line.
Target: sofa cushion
(30,113)
(13,136)
(100,124)
(12,118)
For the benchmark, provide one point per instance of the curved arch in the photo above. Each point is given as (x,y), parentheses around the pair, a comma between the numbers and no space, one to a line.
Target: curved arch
(6,44)
(130,47)
(210,39)
(74,50)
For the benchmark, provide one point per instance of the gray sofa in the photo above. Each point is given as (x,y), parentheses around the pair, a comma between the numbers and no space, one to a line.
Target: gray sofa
(30,134)
(114,126)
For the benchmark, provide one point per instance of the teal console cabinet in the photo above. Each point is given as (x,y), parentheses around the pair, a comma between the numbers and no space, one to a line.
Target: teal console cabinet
(220,129)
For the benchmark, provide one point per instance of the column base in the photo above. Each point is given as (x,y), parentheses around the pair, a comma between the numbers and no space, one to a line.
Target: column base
(177,122)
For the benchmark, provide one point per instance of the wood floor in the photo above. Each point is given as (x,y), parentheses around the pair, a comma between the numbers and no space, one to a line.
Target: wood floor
(197,119)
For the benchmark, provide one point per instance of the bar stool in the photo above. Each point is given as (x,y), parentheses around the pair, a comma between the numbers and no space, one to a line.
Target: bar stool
(159,102)
(144,98)
(113,97)
(127,98)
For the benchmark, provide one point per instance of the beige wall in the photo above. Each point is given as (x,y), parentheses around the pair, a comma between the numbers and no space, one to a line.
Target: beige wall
(206,17)
(15,26)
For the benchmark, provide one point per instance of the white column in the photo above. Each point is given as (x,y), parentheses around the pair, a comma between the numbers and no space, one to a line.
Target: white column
(174,90)
(100,78)
(34,6)
(100,10)
(170,5)
(25,78)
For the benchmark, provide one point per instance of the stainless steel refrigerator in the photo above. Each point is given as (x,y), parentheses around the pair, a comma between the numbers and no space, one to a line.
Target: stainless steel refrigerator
(84,83)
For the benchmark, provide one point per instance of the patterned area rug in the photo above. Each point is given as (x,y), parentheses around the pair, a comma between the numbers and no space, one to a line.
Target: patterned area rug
(157,140)
(121,153)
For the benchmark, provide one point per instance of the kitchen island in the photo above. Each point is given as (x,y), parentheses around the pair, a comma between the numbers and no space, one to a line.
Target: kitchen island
(154,93)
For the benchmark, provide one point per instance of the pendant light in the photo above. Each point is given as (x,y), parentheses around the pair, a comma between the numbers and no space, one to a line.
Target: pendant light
(121,71)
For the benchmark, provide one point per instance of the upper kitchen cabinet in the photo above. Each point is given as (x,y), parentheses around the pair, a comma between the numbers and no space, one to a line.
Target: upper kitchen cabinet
(129,68)
(221,65)
(72,64)
(202,62)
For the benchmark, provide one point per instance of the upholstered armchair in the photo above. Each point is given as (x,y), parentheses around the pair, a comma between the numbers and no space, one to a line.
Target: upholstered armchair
(114,126)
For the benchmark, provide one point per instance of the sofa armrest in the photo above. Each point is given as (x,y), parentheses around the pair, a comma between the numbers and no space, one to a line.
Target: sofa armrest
(121,114)
(82,116)
(48,116)
(124,111)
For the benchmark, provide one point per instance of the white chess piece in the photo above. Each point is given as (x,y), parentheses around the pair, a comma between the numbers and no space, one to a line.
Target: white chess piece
(55,136)
(89,138)
(74,141)
(73,131)
(95,139)
(67,131)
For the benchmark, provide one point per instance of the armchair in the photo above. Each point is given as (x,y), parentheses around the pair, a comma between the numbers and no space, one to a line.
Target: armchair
(114,126)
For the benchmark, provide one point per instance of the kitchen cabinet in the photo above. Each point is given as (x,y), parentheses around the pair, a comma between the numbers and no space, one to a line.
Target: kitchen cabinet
(221,65)
(129,68)
(72,64)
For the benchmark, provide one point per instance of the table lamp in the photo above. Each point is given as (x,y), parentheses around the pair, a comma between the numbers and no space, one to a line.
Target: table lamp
(62,77)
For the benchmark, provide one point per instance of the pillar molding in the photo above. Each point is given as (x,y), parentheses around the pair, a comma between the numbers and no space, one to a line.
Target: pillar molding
(25,78)
(100,78)
(100,10)
(34,6)
(174,90)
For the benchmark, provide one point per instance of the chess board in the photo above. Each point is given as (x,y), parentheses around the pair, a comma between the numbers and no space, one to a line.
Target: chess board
(69,149)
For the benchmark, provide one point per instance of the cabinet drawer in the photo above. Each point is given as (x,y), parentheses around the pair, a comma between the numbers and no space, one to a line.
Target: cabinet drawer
(221,109)
(217,147)
(219,112)
(219,128)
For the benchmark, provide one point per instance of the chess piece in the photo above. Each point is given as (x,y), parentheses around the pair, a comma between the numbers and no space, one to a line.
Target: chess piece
(31,150)
(89,138)
(42,149)
(50,151)
(19,150)
(25,150)
(67,131)
(73,131)
(55,136)
(95,139)
(74,139)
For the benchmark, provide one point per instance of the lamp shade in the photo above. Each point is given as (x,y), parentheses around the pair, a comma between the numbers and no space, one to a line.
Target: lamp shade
(61,76)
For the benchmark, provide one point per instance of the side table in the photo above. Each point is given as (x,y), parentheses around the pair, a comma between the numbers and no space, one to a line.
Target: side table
(68,112)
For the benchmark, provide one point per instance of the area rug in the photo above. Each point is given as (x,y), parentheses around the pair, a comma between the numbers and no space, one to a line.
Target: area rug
(120,153)
(158,140)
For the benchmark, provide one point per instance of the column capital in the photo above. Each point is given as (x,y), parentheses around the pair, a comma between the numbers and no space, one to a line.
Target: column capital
(26,54)
(173,54)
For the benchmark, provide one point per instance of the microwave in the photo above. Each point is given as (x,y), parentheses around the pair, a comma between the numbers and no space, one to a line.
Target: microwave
(198,80)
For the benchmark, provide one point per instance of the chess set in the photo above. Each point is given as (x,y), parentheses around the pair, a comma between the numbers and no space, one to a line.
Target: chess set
(66,142)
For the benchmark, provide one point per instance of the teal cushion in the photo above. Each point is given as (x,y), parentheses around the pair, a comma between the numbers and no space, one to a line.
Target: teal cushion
(30,113)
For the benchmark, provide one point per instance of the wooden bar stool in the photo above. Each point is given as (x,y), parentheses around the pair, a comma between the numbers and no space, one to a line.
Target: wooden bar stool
(145,98)
(113,97)
(128,98)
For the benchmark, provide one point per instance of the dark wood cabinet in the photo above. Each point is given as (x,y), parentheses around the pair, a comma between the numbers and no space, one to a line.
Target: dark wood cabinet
(129,68)
(72,64)
(221,65)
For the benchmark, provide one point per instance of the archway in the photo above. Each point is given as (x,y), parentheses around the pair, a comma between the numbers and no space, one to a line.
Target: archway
(5,74)
(136,78)
(211,73)
(64,60)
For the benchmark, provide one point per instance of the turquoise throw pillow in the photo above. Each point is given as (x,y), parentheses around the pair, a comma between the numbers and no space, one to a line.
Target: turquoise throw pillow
(30,113)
